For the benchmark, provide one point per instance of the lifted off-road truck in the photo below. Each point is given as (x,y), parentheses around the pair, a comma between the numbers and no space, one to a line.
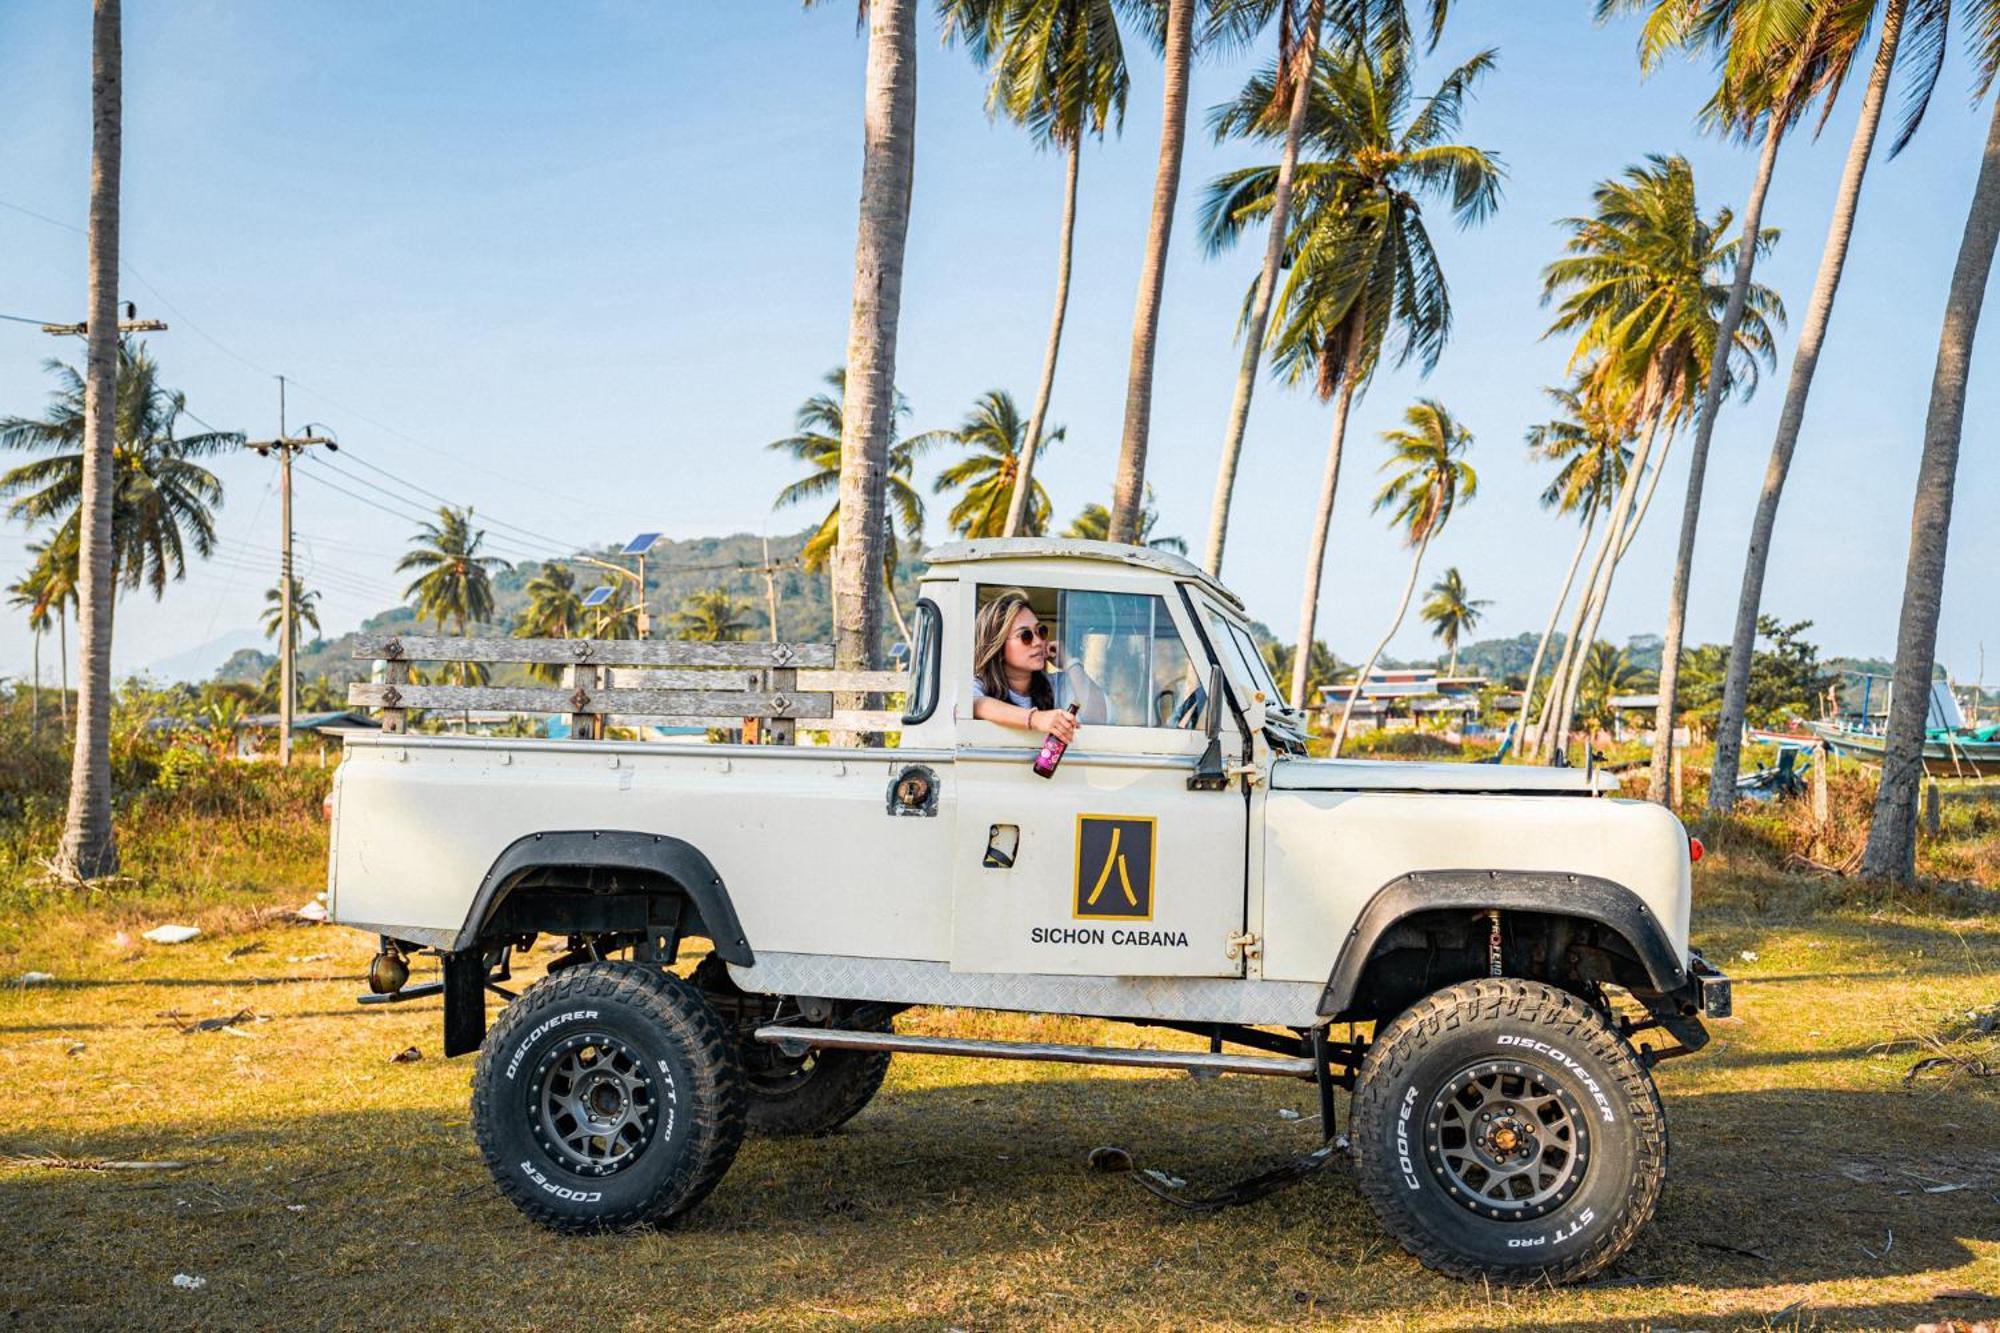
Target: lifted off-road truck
(1507,934)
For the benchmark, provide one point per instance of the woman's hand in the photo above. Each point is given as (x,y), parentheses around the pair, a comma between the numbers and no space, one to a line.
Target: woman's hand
(1057,722)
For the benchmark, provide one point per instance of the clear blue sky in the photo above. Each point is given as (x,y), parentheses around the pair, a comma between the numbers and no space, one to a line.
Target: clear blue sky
(577,268)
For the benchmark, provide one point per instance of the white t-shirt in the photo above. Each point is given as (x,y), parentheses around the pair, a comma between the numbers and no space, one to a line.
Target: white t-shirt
(1060,683)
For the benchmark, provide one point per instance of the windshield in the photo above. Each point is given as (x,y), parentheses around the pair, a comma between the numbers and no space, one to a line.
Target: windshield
(1241,658)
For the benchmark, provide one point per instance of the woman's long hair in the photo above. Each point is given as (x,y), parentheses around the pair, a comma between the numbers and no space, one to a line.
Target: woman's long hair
(989,650)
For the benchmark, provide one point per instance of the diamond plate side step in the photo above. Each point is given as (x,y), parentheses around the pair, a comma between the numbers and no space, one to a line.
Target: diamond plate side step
(835,1039)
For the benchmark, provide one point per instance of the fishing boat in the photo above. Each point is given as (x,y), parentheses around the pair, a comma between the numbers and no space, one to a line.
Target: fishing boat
(1952,749)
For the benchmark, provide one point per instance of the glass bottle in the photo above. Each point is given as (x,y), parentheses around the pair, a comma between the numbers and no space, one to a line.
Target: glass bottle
(1052,752)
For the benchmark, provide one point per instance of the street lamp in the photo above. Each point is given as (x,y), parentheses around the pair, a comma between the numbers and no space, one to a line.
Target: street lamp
(638,546)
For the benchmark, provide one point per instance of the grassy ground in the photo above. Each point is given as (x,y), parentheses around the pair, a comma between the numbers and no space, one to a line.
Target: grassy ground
(1810,1185)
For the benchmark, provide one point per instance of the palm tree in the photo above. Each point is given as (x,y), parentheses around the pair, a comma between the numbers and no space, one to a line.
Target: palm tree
(1927,33)
(1892,846)
(1607,673)
(1429,480)
(995,435)
(1290,86)
(714,616)
(162,501)
(455,584)
(617,616)
(89,845)
(1322,667)
(888,166)
(321,695)
(1059,69)
(1128,481)
(554,611)
(1094,522)
(1640,282)
(28,593)
(1591,441)
(1778,58)
(1358,259)
(1450,613)
(819,427)
(305,610)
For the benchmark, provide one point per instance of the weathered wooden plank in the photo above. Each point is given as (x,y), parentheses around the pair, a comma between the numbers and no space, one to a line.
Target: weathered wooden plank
(602,652)
(631,703)
(781,731)
(394,720)
(891,682)
(584,680)
(643,678)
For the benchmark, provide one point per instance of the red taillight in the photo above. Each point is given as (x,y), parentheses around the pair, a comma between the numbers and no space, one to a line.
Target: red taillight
(1695,849)
(326,813)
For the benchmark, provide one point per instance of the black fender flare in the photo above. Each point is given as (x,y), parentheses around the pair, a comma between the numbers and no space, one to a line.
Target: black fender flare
(675,859)
(1557,893)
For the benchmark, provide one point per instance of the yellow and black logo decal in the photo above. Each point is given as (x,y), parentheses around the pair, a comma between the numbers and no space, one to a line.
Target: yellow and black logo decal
(1114,867)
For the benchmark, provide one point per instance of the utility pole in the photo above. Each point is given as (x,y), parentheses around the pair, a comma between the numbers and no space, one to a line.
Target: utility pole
(771,589)
(130,324)
(287,446)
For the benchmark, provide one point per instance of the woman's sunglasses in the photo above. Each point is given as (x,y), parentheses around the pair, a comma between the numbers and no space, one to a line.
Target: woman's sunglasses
(1029,635)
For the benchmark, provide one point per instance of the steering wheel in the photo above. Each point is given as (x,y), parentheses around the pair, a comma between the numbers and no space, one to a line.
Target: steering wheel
(1188,716)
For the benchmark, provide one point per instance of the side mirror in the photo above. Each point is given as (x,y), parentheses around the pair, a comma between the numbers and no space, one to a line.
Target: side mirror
(1209,772)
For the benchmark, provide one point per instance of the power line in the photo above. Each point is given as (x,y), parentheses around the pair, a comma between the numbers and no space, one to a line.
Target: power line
(407,517)
(225,349)
(539,489)
(328,576)
(250,557)
(556,542)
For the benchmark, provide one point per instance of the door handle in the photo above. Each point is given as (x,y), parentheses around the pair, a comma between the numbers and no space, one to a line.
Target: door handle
(1003,842)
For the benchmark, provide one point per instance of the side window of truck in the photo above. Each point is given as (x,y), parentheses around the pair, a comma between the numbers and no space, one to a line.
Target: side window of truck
(1129,647)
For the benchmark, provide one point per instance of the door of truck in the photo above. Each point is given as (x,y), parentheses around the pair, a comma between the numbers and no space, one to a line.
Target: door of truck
(1113,867)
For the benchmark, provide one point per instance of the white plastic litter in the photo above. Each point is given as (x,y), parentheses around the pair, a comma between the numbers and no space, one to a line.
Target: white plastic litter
(1748,955)
(312,911)
(188,1282)
(172,934)
(34,978)
(1287,1113)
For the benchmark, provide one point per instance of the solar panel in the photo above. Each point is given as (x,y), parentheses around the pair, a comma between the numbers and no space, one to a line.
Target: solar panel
(599,595)
(642,543)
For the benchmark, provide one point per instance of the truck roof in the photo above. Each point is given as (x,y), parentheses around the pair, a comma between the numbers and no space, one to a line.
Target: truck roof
(1075,548)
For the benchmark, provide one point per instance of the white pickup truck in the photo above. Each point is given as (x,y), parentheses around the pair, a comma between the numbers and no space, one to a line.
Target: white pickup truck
(1502,935)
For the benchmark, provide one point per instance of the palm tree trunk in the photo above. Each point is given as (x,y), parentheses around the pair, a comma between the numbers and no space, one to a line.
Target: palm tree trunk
(1452,670)
(89,844)
(62,658)
(1561,699)
(1402,609)
(1267,282)
(1316,561)
(35,699)
(888,166)
(889,596)
(1812,334)
(1704,430)
(1548,632)
(1129,489)
(1024,473)
(1892,838)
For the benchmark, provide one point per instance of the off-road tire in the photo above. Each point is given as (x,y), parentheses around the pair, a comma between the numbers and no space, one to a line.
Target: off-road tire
(795,1098)
(1505,1034)
(677,1059)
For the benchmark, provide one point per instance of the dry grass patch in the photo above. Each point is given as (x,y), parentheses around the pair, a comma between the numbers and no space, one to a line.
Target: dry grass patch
(330,1185)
